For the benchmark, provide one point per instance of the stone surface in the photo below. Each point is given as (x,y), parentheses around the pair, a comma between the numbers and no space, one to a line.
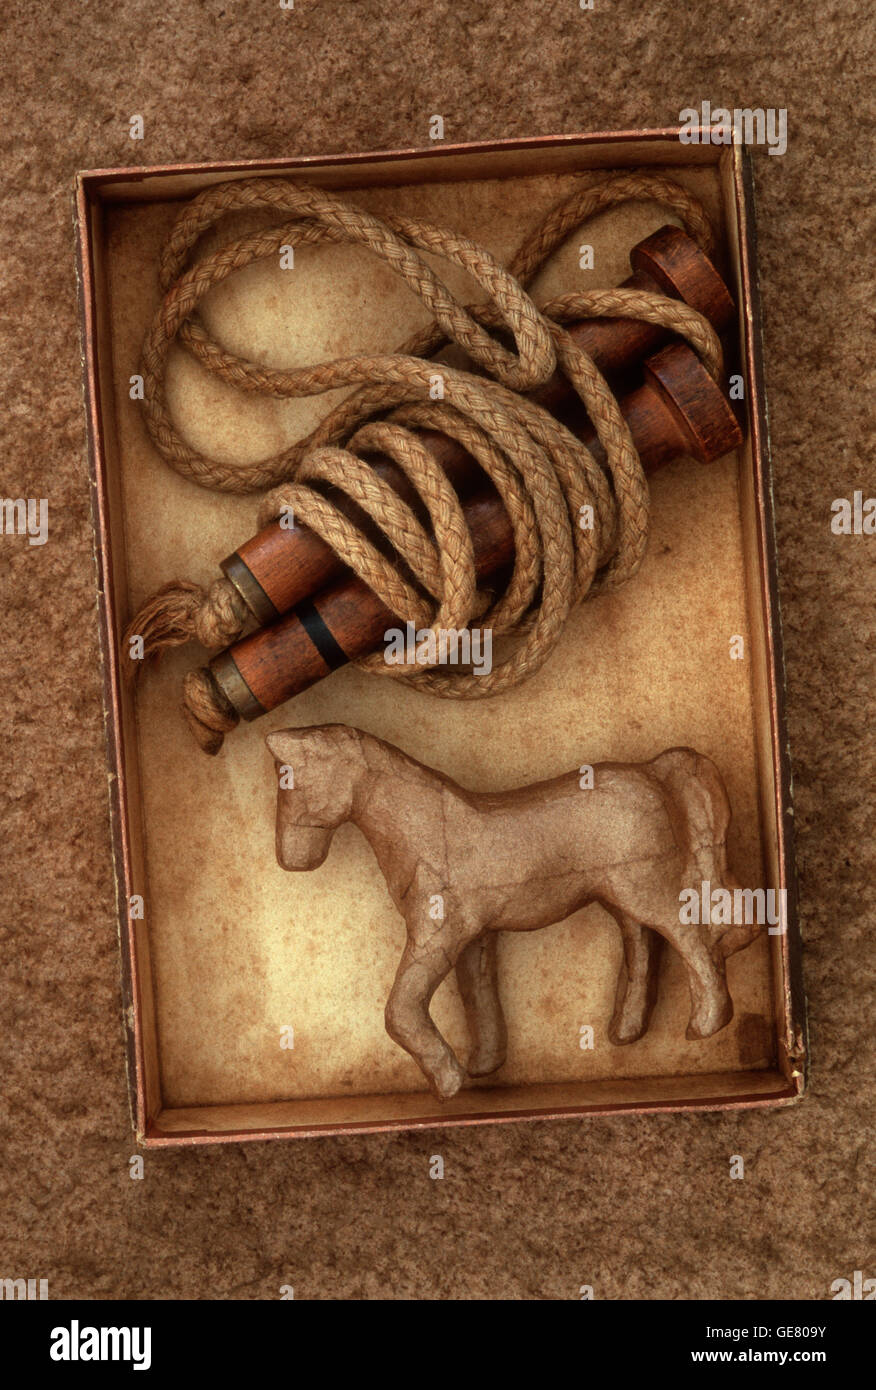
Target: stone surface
(636,1206)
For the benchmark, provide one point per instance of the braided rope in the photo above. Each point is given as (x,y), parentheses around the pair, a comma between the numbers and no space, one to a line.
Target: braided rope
(543,474)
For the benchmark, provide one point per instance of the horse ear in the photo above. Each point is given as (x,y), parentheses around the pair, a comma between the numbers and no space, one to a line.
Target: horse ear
(280,745)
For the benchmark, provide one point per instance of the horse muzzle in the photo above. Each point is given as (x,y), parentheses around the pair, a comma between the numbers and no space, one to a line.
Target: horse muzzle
(301,847)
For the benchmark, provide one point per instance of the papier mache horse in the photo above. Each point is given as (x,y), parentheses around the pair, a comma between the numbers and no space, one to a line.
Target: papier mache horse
(461,866)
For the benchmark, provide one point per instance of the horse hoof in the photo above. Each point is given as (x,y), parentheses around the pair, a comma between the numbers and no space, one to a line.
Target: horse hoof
(710,1021)
(484,1064)
(447,1080)
(626,1031)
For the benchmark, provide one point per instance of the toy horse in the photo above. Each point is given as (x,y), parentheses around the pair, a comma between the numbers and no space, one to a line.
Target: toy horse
(461,866)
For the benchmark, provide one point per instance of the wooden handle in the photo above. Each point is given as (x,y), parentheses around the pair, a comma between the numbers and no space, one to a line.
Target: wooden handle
(280,566)
(679,410)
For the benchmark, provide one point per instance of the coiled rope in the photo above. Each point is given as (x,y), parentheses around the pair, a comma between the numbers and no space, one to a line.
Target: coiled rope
(543,474)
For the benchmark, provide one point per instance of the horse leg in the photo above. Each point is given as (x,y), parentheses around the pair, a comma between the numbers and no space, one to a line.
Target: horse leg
(637,982)
(409,1023)
(711,1005)
(476,975)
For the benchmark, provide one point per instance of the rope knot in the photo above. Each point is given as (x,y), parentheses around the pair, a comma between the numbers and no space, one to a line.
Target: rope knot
(220,615)
(184,612)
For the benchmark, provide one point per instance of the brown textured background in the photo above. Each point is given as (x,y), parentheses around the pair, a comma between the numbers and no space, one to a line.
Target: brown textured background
(638,1207)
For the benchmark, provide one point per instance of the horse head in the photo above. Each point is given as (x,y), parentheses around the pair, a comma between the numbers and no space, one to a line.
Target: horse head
(316,771)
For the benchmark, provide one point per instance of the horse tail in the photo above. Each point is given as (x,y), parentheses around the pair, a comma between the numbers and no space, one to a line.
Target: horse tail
(698,805)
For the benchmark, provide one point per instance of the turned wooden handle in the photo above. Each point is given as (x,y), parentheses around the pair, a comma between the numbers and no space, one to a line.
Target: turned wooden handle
(678,410)
(281,566)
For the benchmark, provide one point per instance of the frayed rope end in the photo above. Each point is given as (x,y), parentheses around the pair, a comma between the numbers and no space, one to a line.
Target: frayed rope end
(183,612)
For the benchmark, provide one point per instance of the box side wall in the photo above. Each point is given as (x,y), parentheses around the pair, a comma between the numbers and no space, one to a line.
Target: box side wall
(296,1119)
(776,772)
(123,783)
(481,159)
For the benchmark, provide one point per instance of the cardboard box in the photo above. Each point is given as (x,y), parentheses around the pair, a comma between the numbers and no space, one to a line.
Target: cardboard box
(231,950)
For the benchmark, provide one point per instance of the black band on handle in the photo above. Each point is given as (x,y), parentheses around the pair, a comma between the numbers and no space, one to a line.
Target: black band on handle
(314,625)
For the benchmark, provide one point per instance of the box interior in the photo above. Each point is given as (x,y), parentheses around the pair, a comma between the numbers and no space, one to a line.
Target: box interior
(233,951)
